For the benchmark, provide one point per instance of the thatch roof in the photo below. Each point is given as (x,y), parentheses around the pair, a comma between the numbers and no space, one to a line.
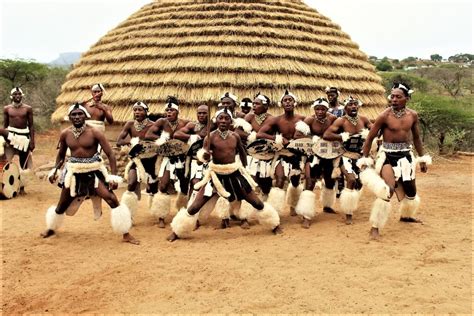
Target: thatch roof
(199,49)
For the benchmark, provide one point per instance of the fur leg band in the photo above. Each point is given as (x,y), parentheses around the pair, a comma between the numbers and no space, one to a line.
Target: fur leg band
(349,200)
(246,209)
(379,214)
(409,206)
(130,199)
(183,223)
(293,195)
(160,207)
(328,197)
(223,208)
(375,183)
(276,198)
(306,206)
(268,216)
(121,219)
(53,220)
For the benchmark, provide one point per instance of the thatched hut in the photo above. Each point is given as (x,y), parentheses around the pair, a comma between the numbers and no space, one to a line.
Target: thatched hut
(199,49)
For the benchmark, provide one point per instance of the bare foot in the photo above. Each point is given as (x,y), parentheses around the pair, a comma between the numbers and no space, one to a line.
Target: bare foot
(277,230)
(410,220)
(47,233)
(292,211)
(327,209)
(374,233)
(225,223)
(244,224)
(197,225)
(172,237)
(161,223)
(306,223)
(348,219)
(129,238)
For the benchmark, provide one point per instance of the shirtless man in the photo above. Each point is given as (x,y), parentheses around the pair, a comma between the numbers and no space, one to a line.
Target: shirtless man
(395,161)
(317,167)
(282,129)
(246,107)
(18,121)
(260,169)
(350,129)
(335,108)
(191,133)
(229,101)
(139,169)
(230,180)
(98,111)
(86,175)
(172,168)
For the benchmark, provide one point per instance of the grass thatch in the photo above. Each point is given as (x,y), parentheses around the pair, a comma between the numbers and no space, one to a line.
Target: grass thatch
(197,50)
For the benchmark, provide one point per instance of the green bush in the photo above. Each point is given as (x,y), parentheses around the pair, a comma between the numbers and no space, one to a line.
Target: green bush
(445,122)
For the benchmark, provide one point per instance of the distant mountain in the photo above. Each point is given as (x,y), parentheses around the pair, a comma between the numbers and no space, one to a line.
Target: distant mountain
(66,59)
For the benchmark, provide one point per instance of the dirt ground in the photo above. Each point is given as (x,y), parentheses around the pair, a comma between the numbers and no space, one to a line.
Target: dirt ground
(330,268)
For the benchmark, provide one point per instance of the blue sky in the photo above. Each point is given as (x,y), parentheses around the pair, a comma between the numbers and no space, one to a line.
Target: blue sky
(42,29)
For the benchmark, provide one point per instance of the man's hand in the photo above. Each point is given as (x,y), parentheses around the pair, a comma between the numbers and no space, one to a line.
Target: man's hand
(52,175)
(423,167)
(32,145)
(113,186)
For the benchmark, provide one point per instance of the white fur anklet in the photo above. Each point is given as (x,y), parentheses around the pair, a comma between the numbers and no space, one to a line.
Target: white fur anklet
(160,206)
(293,195)
(409,206)
(53,220)
(276,198)
(130,199)
(306,205)
(349,201)
(380,212)
(268,216)
(121,219)
(328,197)
(183,223)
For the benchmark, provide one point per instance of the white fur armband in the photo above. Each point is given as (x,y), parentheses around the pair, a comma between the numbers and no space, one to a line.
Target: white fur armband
(364,133)
(365,162)
(303,128)
(200,155)
(345,136)
(316,139)
(134,141)
(193,138)
(113,178)
(243,124)
(251,137)
(163,138)
(279,139)
(425,158)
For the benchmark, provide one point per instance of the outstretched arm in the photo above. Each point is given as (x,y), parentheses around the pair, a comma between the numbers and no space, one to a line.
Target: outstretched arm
(185,132)
(332,133)
(60,156)
(124,133)
(267,129)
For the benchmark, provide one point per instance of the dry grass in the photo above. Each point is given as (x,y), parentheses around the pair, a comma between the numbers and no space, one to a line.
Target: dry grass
(196,50)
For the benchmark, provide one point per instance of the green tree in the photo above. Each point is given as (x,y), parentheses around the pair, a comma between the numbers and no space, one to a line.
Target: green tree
(20,72)
(436,57)
(443,119)
(384,65)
